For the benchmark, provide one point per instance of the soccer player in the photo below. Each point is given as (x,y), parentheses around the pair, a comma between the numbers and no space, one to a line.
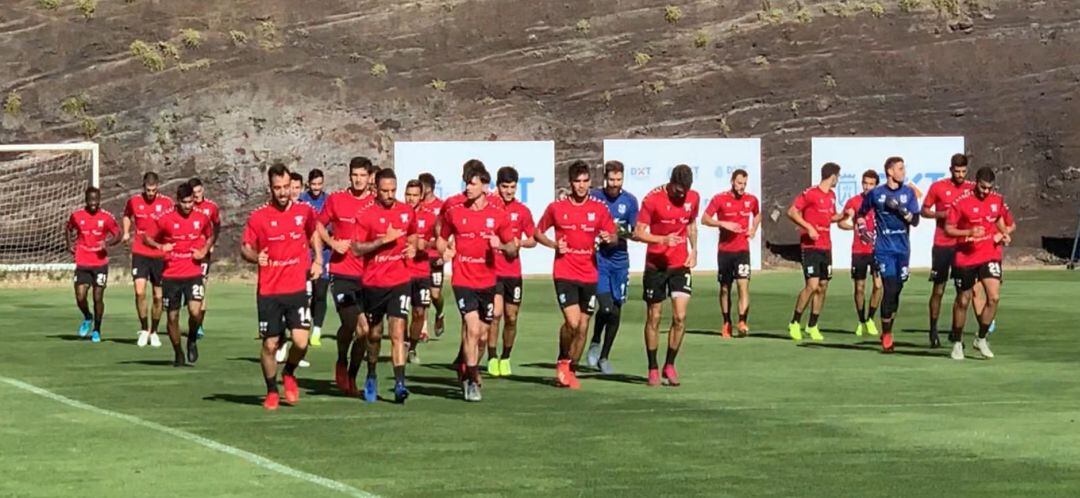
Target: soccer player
(279,238)
(210,209)
(508,281)
(185,236)
(975,220)
(339,217)
(147,263)
(89,233)
(579,222)
(738,216)
(613,267)
(296,186)
(896,210)
(420,266)
(316,198)
(384,239)
(435,205)
(478,229)
(939,198)
(862,256)
(296,189)
(814,211)
(667,223)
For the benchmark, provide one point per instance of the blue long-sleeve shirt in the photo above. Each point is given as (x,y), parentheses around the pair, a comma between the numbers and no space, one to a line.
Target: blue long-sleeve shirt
(624,210)
(891,227)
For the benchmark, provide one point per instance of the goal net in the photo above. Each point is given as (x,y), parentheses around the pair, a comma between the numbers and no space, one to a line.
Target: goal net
(40,186)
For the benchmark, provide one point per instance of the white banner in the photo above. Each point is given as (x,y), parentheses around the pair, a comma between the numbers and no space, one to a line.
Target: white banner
(649,163)
(534,161)
(926,160)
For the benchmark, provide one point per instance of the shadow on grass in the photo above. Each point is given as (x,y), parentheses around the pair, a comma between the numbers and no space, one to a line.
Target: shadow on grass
(248,359)
(69,337)
(119,340)
(876,348)
(152,363)
(241,399)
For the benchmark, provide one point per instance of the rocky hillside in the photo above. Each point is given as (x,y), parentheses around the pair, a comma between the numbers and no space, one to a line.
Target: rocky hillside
(219,89)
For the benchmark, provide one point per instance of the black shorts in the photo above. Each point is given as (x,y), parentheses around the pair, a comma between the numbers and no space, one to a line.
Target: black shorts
(283,312)
(863,265)
(381,302)
(510,288)
(942,262)
(437,273)
(731,266)
(481,301)
(420,291)
(817,263)
(346,292)
(662,284)
(146,268)
(964,277)
(94,277)
(571,293)
(177,292)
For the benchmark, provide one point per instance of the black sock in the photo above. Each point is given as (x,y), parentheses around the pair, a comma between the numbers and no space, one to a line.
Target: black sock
(271,384)
(506,351)
(143,325)
(460,356)
(598,327)
(813,319)
(671,354)
(886,325)
(933,325)
(399,374)
(743,315)
(862,315)
(372,367)
(354,369)
(492,354)
(797,317)
(871,313)
(983,330)
(956,334)
(613,322)
(651,354)
(727,318)
(472,373)
(290,369)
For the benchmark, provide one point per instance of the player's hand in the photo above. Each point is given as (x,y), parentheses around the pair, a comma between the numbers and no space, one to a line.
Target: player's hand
(264,257)
(166,247)
(410,251)
(978,232)
(563,247)
(421,244)
(392,234)
(493,241)
(448,255)
(691,260)
(731,227)
(751,233)
(605,237)
(672,240)
(812,233)
(200,253)
(340,246)
(127,238)
(315,271)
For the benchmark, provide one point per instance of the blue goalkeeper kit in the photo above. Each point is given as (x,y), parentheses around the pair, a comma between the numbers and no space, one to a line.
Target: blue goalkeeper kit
(613,262)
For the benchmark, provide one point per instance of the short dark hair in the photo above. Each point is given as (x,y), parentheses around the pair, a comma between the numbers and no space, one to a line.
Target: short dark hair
(277,169)
(506,174)
(472,164)
(360,162)
(682,176)
(473,168)
(427,180)
(985,174)
(184,190)
(414,184)
(296,177)
(150,178)
(195,182)
(829,170)
(313,174)
(958,160)
(613,167)
(383,174)
(890,162)
(872,174)
(578,168)
(92,190)
(739,172)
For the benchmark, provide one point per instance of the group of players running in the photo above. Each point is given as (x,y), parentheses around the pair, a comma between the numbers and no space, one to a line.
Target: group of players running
(381,261)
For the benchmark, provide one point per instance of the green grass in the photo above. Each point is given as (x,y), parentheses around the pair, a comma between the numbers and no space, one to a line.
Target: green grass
(758,416)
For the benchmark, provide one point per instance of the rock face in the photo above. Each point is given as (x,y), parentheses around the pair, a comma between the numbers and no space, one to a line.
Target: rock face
(221,89)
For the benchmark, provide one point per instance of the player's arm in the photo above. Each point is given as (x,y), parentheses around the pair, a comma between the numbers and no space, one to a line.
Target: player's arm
(928,210)
(126,221)
(847,222)
(151,238)
(360,246)
(545,224)
(692,233)
(609,232)
(756,224)
(794,213)
(528,232)
(710,219)
(953,230)
(503,239)
(114,237)
(69,239)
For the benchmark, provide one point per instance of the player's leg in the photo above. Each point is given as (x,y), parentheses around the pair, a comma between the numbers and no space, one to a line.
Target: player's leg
(345,302)
(876,295)
(604,286)
(81,292)
(811,281)
(202,304)
(493,366)
(269,366)
(940,265)
(586,307)
(319,290)
(141,310)
(680,285)
(965,280)
(172,325)
(742,282)
(474,328)
(157,268)
(817,303)
(398,355)
(564,369)
(608,317)
(297,319)
(195,294)
(99,308)
(858,281)
(653,311)
(990,280)
(375,306)
(725,306)
(978,302)
(509,336)
(437,297)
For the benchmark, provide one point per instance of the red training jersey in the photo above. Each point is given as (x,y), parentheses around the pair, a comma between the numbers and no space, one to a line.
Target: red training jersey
(521,224)
(385,267)
(210,209)
(339,214)
(941,196)
(818,209)
(143,214)
(186,234)
(857,244)
(94,230)
(664,218)
(474,258)
(727,206)
(286,236)
(434,206)
(969,212)
(579,225)
(420,266)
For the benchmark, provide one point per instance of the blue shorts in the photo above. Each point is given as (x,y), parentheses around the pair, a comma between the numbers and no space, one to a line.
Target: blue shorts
(892,265)
(613,281)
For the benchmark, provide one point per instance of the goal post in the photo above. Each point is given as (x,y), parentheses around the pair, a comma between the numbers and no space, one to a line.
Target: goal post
(40,186)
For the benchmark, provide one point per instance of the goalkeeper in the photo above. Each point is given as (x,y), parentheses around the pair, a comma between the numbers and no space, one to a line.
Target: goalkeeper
(862,256)
(613,266)
(895,209)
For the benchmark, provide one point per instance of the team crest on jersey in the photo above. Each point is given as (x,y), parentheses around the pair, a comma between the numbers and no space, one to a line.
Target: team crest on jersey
(382,221)
(513,216)
(197,225)
(404,217)
(157,208)
(881,198)
(273,223)
(622,208)
(727,204)
(903,197)
(176,226)
(592,216)
(299,220)
(976,210)
(490,222)
(746,204)
(993,208)
(101,223)
(421,223)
